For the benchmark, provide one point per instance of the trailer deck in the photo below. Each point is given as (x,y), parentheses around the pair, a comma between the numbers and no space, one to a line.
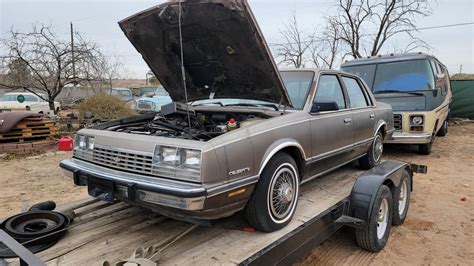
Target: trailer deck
(112,232)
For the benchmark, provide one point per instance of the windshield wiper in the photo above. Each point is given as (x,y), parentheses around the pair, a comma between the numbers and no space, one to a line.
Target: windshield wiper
(397,91)
(274,106)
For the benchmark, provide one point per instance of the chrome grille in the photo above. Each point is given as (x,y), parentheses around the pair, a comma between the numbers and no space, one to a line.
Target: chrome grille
(397,121)
(132,162)
(144,105)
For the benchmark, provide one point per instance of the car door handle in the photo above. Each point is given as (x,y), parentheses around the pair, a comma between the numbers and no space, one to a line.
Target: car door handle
(347,120)
(372,116)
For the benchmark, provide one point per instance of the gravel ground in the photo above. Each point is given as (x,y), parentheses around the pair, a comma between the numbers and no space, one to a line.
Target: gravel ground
(438,229)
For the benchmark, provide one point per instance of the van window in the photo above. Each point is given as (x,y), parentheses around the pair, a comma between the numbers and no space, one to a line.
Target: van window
(356,95)
(329,90)
(413,75)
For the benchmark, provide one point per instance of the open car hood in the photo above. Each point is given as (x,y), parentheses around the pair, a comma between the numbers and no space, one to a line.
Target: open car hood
(225,54)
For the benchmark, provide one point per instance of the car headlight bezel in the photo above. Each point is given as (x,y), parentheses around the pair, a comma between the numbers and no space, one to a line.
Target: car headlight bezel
(177,162)
(84,142)
(417,120)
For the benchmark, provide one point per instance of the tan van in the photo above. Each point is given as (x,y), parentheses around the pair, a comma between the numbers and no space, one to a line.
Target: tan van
(417,87)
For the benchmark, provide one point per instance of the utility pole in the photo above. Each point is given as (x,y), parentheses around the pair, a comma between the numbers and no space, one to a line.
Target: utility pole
(460,69)
(72,54)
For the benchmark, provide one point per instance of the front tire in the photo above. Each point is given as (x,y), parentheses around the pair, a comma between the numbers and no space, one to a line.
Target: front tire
(374,155)
(425,149)
(401,199)
(443,131)
(273,202)
(374,235)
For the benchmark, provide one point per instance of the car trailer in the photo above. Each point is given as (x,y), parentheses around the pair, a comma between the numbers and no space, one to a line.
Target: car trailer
(109,233)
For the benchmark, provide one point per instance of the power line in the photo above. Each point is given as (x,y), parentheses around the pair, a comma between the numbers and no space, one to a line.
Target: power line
(416,29)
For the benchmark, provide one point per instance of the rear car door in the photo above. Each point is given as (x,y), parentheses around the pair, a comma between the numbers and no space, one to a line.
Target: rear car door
(363,114)
(331,131)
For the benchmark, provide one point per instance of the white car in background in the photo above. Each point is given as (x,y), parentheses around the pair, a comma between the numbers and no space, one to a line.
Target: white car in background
(26,101)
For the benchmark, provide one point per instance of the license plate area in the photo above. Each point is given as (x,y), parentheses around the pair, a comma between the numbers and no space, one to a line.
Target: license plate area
(102,189)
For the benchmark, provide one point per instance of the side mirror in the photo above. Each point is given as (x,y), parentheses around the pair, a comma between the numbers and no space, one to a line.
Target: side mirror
(324,107)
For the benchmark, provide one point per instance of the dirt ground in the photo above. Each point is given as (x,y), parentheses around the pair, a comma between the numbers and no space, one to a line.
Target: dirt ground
(438,230)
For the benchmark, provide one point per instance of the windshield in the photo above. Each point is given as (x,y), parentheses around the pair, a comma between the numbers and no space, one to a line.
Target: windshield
(403,76)
(297,85)
(161,92)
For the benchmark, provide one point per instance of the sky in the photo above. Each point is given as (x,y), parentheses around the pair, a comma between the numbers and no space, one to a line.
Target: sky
(97,21)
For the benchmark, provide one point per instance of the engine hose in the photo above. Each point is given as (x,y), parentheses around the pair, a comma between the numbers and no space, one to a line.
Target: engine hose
(36,229)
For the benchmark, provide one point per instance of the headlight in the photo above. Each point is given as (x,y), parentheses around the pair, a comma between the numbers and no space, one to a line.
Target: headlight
(81,141)
(84,142)
(170,155)
(192,158)
(417,120)
(90,142)
(179,163)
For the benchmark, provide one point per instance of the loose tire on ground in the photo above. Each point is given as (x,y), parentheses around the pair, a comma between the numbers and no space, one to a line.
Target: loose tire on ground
(278,186)
(371,237)
(374,155)
(401,199)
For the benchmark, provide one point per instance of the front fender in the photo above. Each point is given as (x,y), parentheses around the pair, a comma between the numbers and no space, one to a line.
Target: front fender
(276,147)
(363,192)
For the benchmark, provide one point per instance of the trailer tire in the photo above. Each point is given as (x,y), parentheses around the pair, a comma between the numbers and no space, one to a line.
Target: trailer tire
(374,155)
(401,199)
(280,175)
(374,235)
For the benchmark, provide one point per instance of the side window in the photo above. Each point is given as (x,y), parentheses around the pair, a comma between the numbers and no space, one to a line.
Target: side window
(356,95)
(330,90)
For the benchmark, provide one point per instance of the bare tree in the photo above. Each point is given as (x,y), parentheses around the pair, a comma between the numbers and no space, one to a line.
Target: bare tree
(296,44)
(325,48)
(48,62)
(366,25)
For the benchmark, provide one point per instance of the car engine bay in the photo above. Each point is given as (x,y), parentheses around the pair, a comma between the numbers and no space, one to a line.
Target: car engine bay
(173,122)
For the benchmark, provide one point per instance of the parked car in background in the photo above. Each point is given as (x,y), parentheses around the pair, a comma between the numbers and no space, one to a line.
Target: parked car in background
(143,90)
(211,160)
(417,87)
(152,101)
(26,101)
(125,93)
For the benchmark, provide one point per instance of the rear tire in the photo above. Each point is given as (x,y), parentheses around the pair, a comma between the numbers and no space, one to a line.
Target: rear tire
(374,155)
(273,202)
(401,199)
(374,235)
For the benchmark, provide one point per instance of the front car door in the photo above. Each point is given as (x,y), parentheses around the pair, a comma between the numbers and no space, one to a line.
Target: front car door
(331,131)
(363,114)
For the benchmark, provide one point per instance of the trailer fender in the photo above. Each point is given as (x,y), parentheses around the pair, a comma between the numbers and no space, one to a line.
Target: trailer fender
(368,183)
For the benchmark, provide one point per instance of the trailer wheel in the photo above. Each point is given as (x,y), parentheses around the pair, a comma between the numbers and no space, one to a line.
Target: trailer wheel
(401,199)
(374,155)
(374,235)
(275,197)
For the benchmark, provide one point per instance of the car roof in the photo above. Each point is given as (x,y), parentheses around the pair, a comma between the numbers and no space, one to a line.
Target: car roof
(318,71)
(387,58)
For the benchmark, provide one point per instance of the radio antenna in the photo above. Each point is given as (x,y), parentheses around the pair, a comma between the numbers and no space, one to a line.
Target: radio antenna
(183,73)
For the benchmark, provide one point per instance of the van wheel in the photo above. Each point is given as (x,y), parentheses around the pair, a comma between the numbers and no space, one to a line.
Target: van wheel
(374,155)
(401,199)
(443,131)
(374,235)
(275,197)
(425,149)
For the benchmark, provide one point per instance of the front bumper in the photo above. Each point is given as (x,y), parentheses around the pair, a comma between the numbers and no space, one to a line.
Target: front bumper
(178,199)
(409,138)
